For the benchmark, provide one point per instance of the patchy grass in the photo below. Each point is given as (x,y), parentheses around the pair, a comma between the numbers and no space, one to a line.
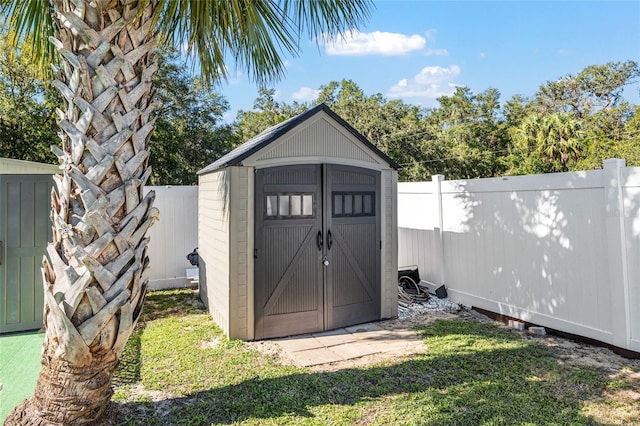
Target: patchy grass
(178,369)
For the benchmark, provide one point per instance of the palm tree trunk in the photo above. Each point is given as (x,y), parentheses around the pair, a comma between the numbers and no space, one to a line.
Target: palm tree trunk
(95,276)
(68,395)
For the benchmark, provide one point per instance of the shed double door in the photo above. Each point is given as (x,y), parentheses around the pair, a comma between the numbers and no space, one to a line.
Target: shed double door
(24,231)
(317,256)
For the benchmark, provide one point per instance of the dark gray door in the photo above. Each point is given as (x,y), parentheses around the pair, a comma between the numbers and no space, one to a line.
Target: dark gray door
(352,226)
(288,262)
(317,259)
(24,232)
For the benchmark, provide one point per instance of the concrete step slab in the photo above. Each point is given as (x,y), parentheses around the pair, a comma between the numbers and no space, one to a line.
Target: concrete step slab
(355,350)
(334,337)
(299,343)
(313,357)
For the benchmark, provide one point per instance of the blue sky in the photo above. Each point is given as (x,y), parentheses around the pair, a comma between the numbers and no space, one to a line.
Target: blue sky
(419,50)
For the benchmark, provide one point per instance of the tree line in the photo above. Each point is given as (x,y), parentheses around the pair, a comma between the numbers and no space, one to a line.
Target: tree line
(572,123)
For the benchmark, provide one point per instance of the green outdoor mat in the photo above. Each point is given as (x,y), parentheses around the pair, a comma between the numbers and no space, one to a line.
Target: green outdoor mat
(19,368)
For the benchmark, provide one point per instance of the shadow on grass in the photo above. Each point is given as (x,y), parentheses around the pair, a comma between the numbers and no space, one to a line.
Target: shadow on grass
(158,305)
(466,384)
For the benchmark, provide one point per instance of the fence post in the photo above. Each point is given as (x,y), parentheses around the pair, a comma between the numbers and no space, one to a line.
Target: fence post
(437,193)
(617,251)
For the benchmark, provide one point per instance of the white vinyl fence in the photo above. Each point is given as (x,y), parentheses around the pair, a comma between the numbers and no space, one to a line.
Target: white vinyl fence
(561,250)
(173,236)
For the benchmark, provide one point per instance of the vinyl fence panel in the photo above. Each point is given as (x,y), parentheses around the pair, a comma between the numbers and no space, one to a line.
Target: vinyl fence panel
(560,250)
(173,236)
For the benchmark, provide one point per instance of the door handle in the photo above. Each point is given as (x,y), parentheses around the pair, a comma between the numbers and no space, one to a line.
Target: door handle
(329,239)
(319,240)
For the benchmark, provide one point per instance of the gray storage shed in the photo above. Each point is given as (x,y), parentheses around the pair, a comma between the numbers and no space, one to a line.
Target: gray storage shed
(25,190)
(297,230)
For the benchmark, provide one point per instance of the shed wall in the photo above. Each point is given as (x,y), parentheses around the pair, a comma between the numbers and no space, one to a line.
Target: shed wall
(241,253)
(226,242)
(213,243)
(389,257)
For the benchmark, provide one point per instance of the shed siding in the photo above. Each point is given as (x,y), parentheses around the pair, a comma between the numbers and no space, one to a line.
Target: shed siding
(318,141)
(241,254)
(389,264)
(213,243)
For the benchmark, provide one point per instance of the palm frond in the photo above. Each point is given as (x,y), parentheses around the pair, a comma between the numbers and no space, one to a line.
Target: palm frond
(327,17)
(30,22)
(255,35)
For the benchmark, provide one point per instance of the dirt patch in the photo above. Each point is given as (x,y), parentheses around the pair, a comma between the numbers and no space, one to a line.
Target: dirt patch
(210,344)
(583,354)
(565,350)
(160,403)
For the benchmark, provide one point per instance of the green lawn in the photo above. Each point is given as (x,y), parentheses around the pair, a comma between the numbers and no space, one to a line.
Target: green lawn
(178,369)
(19,368)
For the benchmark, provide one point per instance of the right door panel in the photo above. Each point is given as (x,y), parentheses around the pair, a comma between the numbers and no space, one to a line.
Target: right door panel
(352,229)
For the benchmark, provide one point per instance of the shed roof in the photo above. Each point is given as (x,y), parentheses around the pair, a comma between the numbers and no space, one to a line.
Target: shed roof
(236,156)
(11,166)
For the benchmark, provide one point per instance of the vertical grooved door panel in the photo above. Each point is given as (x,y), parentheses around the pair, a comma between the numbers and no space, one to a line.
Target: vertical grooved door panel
(288,267)
(24,231)
(352,219)
(317,239)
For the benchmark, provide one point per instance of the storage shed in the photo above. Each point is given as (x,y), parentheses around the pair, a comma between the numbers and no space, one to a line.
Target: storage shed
(25,190)
(297,230)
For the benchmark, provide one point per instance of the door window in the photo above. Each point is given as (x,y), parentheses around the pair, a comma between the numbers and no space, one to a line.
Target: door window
(352,204)
(288,205)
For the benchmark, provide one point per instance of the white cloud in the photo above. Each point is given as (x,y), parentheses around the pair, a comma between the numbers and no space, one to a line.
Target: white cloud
(305,94)
(375,43)
(437,52)
(430,82)
(431,34)
(483,55)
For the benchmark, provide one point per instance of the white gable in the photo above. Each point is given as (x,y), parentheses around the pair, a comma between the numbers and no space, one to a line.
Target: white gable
(320,139)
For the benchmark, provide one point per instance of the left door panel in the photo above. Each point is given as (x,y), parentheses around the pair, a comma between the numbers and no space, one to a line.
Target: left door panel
(288,257)
(24,232)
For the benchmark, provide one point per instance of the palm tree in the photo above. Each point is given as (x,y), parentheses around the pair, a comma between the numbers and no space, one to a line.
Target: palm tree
(563,142)
(95,276)
(557,138)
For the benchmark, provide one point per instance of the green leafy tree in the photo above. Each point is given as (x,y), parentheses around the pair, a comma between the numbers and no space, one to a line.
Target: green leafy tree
(95,275)
(595,88)
(572,123)
(472,132)
(266,112)
(189,133)
(27,125)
